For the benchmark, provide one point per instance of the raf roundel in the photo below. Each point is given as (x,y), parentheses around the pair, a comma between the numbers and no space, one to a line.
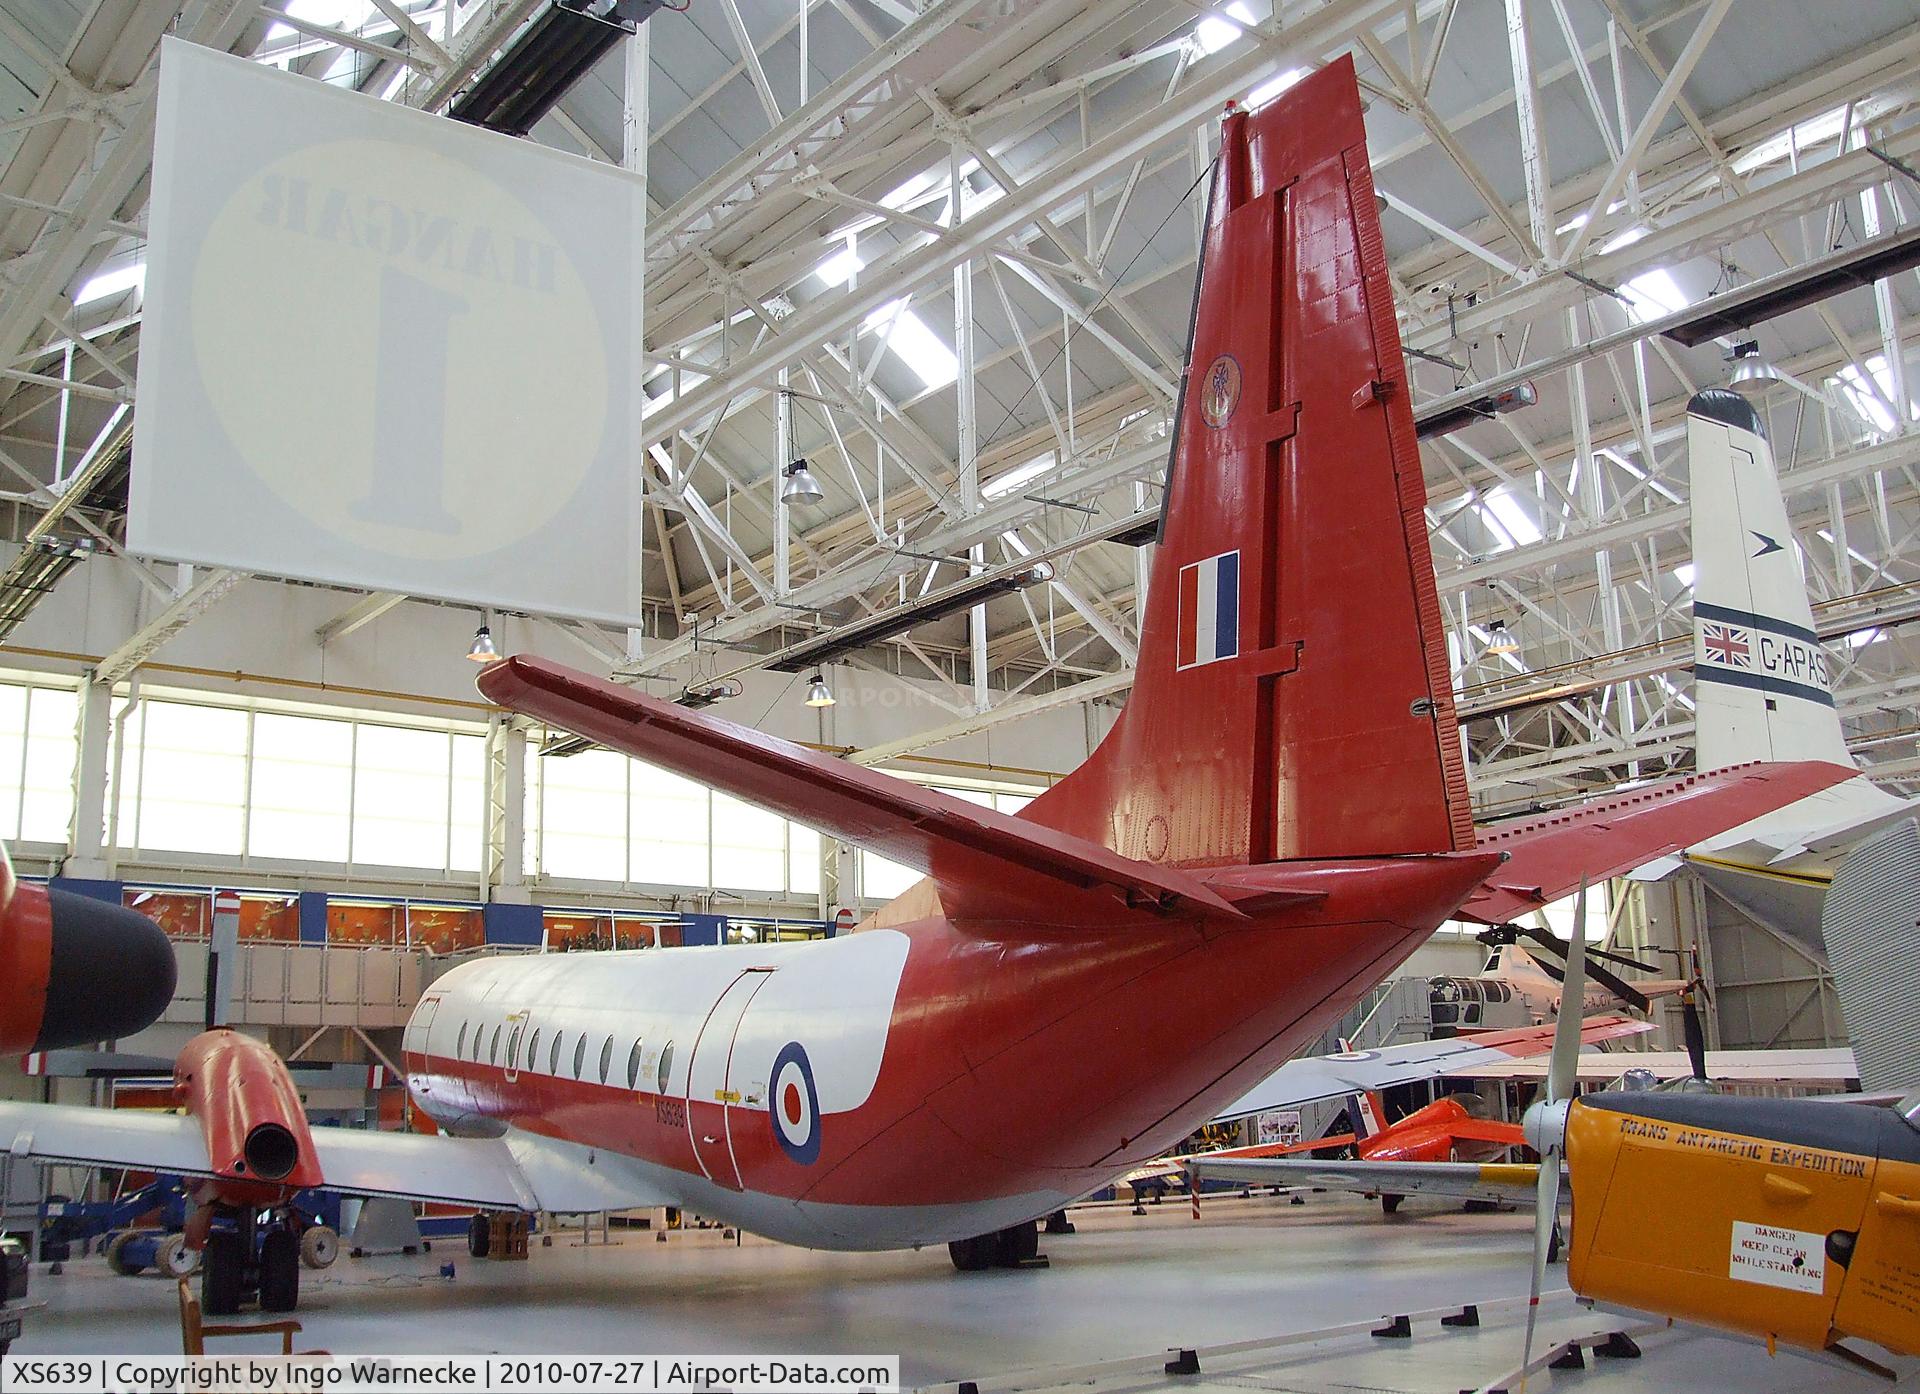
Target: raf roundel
(795,1105)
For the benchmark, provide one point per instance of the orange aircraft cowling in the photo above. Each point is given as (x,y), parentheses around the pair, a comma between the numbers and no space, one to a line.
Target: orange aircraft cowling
(259,1147)
(76,970)
(1778,1218)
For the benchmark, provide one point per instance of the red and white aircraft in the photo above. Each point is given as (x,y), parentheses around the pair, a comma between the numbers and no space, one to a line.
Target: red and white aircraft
(1278,818)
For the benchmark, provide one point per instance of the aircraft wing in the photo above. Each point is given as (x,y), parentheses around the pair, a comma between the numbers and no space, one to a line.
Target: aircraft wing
(1361,1071)
(517,1172)
(1549,854)
(985,863)
(1495,1181)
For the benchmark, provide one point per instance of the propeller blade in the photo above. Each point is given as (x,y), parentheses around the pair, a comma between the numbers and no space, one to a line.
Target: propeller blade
(1546,1213)
(1565,1060)
(1696,1034)
(1624,960)
(1620,987)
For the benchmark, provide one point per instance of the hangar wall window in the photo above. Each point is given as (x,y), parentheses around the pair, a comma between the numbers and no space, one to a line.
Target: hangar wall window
(597,816)
(36,762)
(281,786)
(881,879)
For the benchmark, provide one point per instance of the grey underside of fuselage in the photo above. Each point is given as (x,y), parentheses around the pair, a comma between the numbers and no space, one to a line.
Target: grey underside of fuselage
(816,1224)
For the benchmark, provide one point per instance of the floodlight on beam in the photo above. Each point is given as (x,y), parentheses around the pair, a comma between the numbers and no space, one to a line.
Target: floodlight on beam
(1520,395)
(1733,311)
(545,60)
(964,595)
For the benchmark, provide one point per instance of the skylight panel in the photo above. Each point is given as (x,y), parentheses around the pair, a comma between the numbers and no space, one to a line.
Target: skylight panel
(1653,294)
(918,346)
(1814,130)
(1510,517)
(839,268)
(1854,386)
(1274,86)
(1214,33)
(1021,474)
(117,281)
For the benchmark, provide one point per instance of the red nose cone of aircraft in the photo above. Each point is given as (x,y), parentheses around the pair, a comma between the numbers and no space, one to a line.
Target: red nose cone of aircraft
(78,970)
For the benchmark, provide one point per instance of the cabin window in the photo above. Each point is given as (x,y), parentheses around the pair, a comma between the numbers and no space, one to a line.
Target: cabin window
(580,1056)
(460,1046)
(493,1050)
(606,1059)
(666,1065)
(633,1066)
(533,1050)
(553,1055)
(513,1046)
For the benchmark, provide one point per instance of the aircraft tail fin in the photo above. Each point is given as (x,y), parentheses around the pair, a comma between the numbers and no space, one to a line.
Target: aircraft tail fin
(1292,697)
(1760,674)
(1368,1115)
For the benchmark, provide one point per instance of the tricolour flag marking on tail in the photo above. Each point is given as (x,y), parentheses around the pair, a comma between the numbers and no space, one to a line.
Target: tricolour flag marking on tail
(1209,611)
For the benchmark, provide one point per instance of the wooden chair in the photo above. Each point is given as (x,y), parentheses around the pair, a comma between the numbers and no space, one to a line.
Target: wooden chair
(193,1331)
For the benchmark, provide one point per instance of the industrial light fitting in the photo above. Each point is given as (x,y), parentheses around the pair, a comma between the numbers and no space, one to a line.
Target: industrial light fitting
(1752,373)
(1500,641)
(818,693)
(482,649)
(800,486)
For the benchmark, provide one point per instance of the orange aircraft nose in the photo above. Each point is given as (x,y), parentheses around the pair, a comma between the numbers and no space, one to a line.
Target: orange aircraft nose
(78,970)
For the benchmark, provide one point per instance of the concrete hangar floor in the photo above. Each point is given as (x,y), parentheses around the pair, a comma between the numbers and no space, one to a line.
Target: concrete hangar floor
(1122,1286)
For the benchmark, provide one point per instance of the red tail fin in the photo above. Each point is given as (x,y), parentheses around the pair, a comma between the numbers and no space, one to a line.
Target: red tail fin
(1292,698)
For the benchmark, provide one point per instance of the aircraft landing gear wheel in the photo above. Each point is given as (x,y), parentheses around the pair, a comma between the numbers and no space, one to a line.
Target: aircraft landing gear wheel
(479,1235)
(1019,1244)
(279,1271)
(1390,1204)
(222,1273)
(174,1258)
(319,1246)
(976,1254)
(117,1259)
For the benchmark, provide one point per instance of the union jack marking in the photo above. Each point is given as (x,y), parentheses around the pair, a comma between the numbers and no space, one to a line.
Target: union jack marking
(1727,645)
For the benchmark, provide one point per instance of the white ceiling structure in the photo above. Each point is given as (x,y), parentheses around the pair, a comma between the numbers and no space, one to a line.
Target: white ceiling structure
(962,236)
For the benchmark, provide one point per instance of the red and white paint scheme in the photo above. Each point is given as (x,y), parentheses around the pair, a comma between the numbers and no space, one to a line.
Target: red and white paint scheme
(1278,818)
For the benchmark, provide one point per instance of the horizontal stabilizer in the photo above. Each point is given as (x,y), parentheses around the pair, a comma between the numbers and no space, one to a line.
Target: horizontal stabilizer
(517,1172)
(1490,1181)
(1362,1071)
(1550,854)
(986,864)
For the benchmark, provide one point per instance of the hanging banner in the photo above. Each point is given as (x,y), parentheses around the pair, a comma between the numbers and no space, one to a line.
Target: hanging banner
(385,349)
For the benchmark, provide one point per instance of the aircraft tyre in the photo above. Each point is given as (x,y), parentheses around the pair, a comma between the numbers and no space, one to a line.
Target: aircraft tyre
(319,1246)
(279,1271)
(479,1234)
(1390,1204)
(975,1255)
(1018,1244)
(222,1273)
(117,1259)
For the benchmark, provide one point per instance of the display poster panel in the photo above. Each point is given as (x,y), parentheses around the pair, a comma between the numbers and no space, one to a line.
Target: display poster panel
(386,350)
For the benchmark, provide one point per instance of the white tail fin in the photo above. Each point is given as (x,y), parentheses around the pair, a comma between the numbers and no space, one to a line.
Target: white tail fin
(1760,673)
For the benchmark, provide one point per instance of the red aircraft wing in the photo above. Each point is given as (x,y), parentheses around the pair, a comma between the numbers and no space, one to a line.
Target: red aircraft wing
(1485,1130)
(985,863)
(1549,854)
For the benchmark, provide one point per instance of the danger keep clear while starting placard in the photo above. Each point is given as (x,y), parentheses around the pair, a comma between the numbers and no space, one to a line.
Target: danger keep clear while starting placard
(1780,1258)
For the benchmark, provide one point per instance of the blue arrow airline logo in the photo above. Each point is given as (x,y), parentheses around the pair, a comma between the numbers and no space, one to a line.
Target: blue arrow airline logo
(1767,544)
